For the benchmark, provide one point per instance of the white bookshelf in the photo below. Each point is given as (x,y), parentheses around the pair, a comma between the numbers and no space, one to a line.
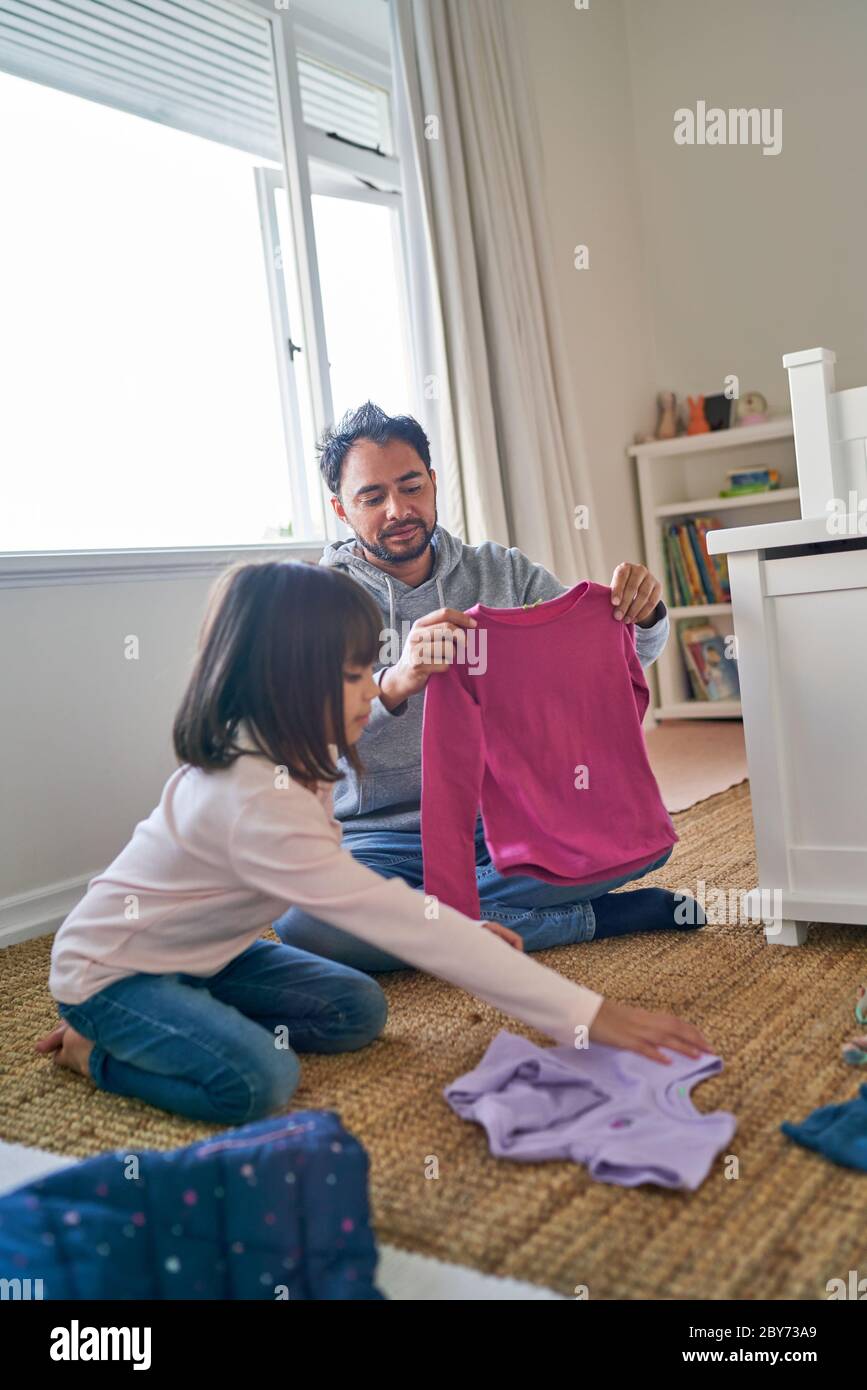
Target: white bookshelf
(681,478)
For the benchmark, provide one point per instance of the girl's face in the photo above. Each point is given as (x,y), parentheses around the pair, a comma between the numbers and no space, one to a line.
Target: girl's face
(359,692)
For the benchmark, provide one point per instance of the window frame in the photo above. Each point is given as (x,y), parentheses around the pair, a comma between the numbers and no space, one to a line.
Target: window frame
(308,156)
(303,492)
(326,156)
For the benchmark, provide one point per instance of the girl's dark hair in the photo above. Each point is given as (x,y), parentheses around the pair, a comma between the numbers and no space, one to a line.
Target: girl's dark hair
(272,651)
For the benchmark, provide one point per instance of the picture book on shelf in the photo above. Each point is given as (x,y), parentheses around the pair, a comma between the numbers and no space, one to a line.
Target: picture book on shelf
(713,674)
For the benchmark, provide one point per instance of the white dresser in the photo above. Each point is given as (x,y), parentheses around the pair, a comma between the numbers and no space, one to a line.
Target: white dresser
(799,601)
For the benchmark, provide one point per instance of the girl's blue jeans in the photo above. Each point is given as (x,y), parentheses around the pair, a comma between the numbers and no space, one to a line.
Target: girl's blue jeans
(543,914)
(223,1048)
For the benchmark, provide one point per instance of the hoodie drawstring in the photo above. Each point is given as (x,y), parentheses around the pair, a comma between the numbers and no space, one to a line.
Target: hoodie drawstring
(392,606)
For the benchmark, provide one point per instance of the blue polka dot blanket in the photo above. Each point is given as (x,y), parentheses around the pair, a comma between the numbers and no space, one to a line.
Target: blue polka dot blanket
(276,1209)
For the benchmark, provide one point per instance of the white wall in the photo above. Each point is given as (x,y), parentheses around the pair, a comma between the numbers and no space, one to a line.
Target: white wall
(577,62)
(87,743)
(753,255)
(703,260)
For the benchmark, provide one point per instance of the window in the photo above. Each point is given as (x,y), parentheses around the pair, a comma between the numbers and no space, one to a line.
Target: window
(358,220)
(358,245)
(182,315)
(141,402)
(340,104)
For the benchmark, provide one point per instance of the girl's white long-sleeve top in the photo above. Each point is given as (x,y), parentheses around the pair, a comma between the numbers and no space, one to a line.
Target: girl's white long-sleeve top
(226,852)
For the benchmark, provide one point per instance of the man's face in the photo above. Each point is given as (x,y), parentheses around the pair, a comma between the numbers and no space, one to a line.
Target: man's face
(388,498)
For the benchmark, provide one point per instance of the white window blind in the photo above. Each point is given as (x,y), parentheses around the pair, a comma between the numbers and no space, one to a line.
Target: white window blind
(342,104)
(202,66)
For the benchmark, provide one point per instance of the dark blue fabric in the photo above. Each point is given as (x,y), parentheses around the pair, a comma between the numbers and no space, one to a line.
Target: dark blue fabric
(837,1131)
(274,1209)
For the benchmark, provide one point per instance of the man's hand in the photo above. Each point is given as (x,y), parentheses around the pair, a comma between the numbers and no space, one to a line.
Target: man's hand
(430,647)
(635,594)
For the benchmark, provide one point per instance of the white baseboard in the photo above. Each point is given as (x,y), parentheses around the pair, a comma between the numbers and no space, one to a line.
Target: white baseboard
(39,913)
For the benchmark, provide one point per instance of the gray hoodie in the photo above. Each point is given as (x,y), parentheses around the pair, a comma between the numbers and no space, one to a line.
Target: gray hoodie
(388,794)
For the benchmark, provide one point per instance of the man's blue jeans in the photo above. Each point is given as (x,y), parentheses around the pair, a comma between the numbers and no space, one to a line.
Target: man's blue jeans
(543,914)
(222,1048)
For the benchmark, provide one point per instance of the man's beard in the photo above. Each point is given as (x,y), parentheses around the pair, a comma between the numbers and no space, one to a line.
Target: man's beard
(382,552)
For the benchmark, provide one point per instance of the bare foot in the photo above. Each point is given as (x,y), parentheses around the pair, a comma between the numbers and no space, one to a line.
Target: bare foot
(52,1040)
(70,1049)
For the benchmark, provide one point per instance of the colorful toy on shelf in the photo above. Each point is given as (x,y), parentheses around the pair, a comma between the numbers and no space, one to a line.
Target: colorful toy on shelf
(668,425)
(697,422)
(745,480)
(666,416)
(752,409)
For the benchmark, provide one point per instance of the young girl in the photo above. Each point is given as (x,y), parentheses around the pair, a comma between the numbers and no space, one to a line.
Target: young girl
(165,987)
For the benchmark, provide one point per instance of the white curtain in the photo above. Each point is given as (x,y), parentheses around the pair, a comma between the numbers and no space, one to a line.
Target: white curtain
(509,451)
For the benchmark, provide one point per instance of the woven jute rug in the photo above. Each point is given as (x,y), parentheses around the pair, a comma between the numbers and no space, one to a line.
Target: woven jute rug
(786,1224)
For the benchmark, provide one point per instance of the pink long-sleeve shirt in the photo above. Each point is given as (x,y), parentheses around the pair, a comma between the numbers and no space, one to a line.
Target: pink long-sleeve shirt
(226,852)
(538,724)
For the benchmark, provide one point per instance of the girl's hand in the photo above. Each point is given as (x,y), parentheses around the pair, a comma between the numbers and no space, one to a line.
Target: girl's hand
(638,1030)
(510,937)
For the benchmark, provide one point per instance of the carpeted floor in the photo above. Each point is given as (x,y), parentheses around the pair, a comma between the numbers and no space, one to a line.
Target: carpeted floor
(696,758)
(782,1228)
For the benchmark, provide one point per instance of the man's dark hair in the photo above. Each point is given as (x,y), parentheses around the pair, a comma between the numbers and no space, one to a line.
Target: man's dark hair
(367,422)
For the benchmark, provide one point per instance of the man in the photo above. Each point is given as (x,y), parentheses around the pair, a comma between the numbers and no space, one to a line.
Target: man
(383,487)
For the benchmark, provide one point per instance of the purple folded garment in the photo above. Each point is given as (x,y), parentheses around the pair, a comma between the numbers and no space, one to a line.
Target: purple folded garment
(629,1119)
